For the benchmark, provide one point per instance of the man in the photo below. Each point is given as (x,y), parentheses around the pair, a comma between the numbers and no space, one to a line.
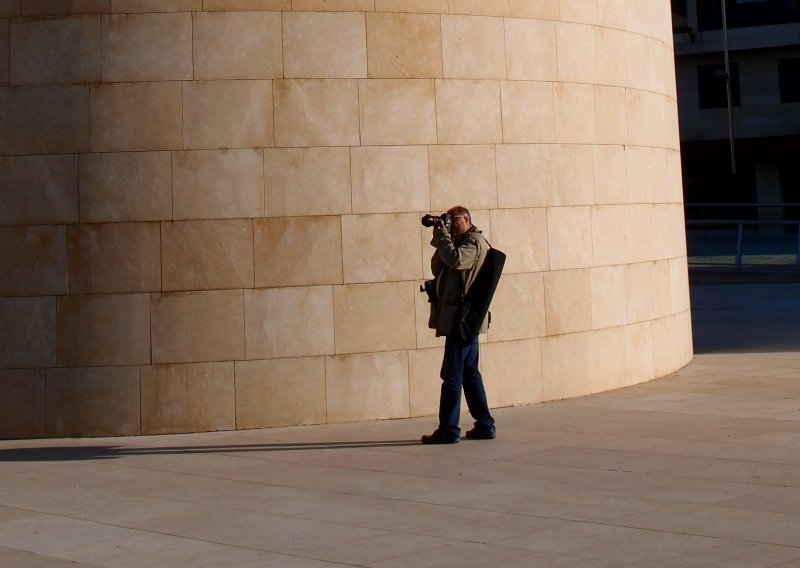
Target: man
(459,255)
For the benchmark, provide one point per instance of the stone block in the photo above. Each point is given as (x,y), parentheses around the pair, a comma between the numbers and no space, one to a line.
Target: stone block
(38,190)
(609,367)
(55,50)
(610,174)
(424,384)
(679,284)
(568,301)
(44,119)
(103,330)
(415,6)
(114,258)
(286,256)
(389,179)
(531,50)
(577,59)
(608,298)
(512,372)
(573,180)
(574,111)
(93,401)
(480,7)
(316,112)
(646,169)
(227,114)
(288,322)
(662,289)
(307,181)
(125,186)
(374,317)
(404,46)
(189,327)
(22,398)
(539,9)
(34,259)
(246,5)
(639,222)
(569,234)
(473,47)
(280,392)
(27,332)
(468,112)
(146,47)
(5,51)
(237,45)
(579,11)
(59,7)
(367,386)
(566,367)
(136,116)
(213,184)
(639,352)
(324,45)
(612,57)
(638,18)
(528,111)
(610,115)
(612,13)
(609,235)
(640,286)
(333,5)
(188,398)
(639,63)
(146,6)
(518,308)
(522,235)
(524,176)
(10,8)
(364,251)
(463,175)
(206,255)
(397,111)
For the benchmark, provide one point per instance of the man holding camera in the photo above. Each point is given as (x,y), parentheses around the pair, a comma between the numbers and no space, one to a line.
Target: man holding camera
(460,252)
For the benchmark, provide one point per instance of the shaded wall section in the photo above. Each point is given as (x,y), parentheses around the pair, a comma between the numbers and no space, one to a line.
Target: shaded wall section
(210,209)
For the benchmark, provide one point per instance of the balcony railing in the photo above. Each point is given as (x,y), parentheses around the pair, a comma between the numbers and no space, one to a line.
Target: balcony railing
(740,234)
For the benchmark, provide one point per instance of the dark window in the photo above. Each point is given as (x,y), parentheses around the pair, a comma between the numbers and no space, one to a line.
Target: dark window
(711,83)
(679,19)
(746,13)
(789,79)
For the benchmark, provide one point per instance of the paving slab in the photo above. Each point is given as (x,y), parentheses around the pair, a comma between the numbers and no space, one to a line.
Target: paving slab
(701,468)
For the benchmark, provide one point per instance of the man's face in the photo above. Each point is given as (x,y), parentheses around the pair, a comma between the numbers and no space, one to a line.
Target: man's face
(459,225)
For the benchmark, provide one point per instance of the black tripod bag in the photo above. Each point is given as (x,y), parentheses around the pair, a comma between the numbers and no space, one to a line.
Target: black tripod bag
(475,304)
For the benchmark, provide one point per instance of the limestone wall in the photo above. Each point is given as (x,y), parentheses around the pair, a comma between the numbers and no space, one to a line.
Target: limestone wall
(209,213)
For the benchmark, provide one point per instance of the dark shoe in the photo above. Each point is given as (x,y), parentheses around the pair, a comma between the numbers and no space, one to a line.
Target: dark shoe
(438,438)
(476,434)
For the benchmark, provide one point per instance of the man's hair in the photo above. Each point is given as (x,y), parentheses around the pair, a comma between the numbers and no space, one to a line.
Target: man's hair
(459,210)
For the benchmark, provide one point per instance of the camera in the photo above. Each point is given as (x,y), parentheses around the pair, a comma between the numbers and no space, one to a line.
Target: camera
(433,220)
(429,287)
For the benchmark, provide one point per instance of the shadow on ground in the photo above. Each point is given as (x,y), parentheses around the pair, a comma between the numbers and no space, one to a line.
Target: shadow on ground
(75,453)
(746,318)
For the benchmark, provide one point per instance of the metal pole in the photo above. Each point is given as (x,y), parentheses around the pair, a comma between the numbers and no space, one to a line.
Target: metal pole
(728,84)
(739,238)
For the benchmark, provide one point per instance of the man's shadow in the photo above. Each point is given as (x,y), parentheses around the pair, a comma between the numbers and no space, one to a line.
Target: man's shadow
(77,453)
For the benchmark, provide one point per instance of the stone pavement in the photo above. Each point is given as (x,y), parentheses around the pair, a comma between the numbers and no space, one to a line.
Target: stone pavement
(701,468)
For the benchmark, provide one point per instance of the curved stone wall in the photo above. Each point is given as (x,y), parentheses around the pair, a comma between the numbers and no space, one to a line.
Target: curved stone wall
(210,208)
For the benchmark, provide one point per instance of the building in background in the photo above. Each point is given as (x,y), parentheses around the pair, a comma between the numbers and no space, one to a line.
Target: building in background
(764,52)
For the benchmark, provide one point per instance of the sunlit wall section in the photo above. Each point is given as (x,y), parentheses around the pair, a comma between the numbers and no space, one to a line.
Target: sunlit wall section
(210,208)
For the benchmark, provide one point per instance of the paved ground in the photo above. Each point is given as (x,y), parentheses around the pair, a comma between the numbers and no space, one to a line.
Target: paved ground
(701,468)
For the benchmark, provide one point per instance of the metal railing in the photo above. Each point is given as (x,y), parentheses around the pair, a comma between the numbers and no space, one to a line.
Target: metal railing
(740,224)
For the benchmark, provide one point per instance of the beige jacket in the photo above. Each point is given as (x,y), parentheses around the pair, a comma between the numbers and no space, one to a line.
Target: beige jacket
(455,261)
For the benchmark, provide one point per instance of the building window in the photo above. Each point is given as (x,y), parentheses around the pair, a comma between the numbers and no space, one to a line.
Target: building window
(711,84)
(679,15)
(789,79)
(747,13)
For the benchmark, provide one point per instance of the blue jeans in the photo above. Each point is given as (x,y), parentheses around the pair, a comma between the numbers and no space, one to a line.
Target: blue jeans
(460,368)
